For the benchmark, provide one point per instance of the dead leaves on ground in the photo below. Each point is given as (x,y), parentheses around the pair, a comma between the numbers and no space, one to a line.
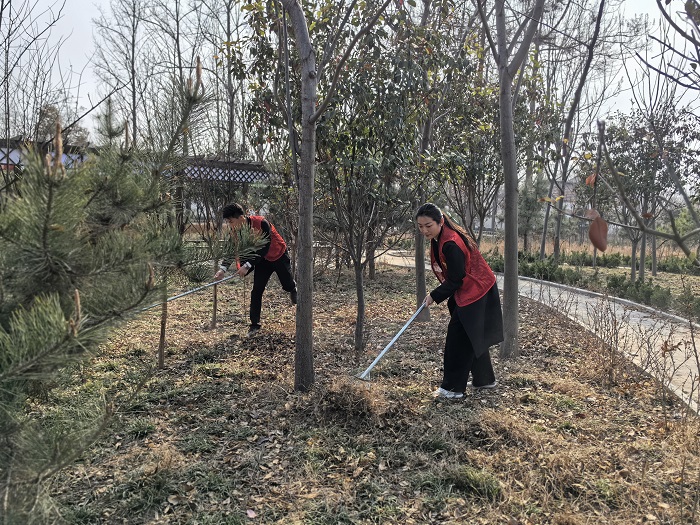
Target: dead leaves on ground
(221,434)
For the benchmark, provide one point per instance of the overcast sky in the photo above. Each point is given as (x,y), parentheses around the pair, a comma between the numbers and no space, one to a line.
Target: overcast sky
(77,28)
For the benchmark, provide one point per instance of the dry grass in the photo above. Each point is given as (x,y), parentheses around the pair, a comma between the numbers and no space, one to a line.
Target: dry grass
(220,437)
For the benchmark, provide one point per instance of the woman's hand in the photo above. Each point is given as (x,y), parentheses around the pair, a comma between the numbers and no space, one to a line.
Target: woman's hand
(428,300)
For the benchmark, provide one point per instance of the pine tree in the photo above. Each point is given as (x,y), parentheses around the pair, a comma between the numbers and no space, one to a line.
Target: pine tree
(81,251)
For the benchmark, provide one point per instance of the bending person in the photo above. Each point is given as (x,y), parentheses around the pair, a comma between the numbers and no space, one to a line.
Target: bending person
(469,285)
(271,258)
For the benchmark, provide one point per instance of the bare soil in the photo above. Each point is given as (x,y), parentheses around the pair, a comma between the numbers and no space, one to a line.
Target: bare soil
(219,436)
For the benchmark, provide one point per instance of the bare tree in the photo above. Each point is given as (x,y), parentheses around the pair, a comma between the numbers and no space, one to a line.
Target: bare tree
(678,63)
(121,38)
(579,69)
(28,57)
(36,91)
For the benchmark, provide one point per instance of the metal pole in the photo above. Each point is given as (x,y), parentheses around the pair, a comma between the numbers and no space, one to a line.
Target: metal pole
(364,374)
(183,294)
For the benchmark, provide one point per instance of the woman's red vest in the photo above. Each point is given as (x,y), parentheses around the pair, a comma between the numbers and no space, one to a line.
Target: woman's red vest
(479,278)
(277,244)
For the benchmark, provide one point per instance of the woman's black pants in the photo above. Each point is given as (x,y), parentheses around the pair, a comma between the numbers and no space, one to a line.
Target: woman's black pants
(459,359)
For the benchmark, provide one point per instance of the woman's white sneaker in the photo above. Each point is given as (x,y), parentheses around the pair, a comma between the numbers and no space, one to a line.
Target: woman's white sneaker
(490,386)
(441,392)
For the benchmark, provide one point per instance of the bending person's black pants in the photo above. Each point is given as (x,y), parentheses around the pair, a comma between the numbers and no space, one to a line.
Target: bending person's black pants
(261,275)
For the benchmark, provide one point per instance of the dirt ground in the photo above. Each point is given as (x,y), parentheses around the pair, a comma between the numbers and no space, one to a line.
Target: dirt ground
(219,436)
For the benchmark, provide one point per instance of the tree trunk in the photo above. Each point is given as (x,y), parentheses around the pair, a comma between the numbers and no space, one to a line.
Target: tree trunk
(545,226)
(509,348)
(556,248)
(421,288)
(372,263)
(360,318)
(642,257)
(303,358)
(653,241)
(633,262)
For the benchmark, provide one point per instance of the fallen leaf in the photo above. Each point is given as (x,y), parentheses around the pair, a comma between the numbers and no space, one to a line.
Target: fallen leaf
(591,213)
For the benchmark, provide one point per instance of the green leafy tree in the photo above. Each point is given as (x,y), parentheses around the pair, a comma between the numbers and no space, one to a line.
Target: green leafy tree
(367,146)
(327,19)
(530,213)
(644,147)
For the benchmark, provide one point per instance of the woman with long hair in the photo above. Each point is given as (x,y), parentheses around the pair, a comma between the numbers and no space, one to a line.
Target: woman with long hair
(469,285)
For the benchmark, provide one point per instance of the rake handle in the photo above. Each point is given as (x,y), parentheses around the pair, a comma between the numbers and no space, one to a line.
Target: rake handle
(363,375)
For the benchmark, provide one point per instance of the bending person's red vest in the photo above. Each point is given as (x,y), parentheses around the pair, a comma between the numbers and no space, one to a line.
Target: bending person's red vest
(277,244)
(479,278)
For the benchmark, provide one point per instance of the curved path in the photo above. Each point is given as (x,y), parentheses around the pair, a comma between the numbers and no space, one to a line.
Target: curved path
(661,344)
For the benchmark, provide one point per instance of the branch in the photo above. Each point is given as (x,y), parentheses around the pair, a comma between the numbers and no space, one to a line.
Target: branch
(675,26)
(527,38)
(328,53)
(487,30)
(331,91)
(674,176)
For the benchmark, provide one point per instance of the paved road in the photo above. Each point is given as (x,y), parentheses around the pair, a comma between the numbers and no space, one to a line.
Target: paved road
(659,343)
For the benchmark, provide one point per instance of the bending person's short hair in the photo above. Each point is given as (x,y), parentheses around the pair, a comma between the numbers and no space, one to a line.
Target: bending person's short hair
(232,211)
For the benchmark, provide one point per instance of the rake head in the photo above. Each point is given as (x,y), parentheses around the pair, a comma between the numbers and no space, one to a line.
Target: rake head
(364,376)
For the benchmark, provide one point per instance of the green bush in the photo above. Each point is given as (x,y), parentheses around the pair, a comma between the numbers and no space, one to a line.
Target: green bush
(611,260)
(617,285)
(495,261)
(644,292)
(578,259)
(528,257)
(661,297)
(676,264)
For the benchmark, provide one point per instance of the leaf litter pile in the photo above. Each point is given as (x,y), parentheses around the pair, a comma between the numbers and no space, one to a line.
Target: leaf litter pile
(219,436)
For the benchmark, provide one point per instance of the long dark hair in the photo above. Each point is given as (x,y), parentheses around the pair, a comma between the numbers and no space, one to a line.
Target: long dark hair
(430,210)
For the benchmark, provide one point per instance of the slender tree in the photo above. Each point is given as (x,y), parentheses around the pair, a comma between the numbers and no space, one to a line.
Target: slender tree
(509,56)
(310,113)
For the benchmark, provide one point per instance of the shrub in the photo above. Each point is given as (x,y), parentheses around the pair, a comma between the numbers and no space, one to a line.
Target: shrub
(579,259)
(495,261)
(661,297)
(611,260)
(617,285)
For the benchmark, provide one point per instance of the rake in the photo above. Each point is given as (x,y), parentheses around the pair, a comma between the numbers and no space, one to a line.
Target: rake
(364,376)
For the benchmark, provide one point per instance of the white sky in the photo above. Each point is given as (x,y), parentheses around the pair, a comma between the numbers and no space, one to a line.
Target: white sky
(75,26)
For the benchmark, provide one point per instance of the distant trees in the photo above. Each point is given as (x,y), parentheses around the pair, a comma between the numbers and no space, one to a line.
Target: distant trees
(32,91)
(646,165)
